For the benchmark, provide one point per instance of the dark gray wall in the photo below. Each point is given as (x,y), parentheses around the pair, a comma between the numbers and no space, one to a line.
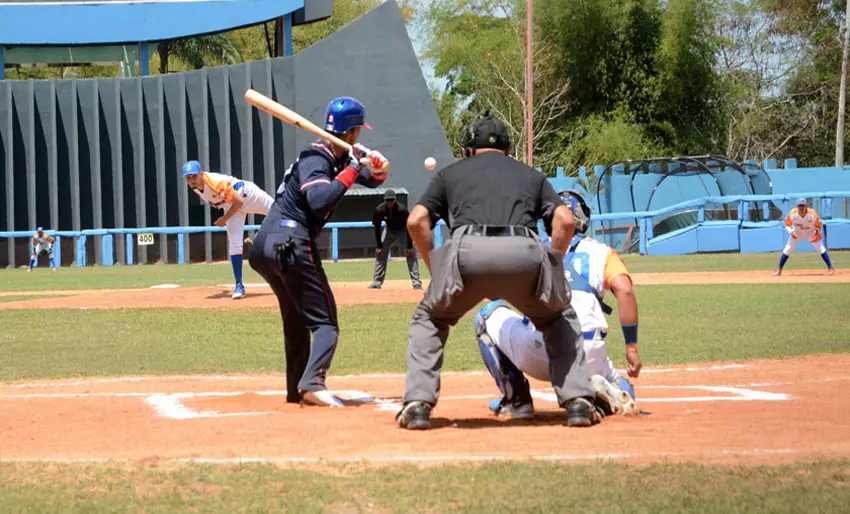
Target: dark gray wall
(79,154)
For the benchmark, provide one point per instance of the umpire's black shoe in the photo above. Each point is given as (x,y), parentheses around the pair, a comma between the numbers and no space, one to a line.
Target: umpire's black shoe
(415,415)
(581,413)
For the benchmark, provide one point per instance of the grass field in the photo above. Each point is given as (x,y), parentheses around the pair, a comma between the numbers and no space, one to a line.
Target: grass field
(131,277)
(679,324)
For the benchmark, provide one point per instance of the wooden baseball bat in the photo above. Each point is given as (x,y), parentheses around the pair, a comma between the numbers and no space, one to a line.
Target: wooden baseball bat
(266,104)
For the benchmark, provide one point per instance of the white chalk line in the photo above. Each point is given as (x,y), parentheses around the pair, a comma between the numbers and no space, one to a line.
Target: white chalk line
(400,459)
(362,376)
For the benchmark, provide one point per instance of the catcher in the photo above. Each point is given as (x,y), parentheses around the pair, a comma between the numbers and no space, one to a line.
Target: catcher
(41,243)
(511,346)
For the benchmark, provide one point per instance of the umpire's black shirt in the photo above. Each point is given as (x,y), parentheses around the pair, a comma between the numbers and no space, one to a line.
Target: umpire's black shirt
(490,189)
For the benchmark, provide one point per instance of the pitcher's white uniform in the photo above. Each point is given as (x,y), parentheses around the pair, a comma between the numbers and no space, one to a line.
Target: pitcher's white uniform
(803,227)
(218,193)
(590,270)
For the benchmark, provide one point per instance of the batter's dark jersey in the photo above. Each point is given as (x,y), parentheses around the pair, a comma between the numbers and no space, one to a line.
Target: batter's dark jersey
(490,189)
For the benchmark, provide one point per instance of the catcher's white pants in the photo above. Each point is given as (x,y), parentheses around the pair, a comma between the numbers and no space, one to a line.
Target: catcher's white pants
(257,202)
(523,345)
(793,242)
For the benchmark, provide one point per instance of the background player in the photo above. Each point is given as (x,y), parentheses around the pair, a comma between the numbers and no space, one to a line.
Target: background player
(238,198)
(801,223)
(41,242)
(511,346)
(395,214)
(285,252)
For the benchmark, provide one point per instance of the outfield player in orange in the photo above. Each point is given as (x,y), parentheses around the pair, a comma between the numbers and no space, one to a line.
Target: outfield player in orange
(41,242)
(803,223)
(238,198)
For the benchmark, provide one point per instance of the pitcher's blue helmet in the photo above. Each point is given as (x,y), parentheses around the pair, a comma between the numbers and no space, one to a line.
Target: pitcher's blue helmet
(581,211)
(191,168)
(345,113)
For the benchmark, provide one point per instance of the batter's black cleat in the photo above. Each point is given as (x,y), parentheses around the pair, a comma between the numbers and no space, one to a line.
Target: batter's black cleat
(581,413)
(513,410)
(374,286)
(415,415)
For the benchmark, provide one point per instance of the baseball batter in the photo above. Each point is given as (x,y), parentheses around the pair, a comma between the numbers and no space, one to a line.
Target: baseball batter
(511,345)
(803,223)
(41,243)
(238,198)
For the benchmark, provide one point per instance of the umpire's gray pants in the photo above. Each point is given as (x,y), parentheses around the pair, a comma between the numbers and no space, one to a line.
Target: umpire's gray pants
(388,237)
(496,268)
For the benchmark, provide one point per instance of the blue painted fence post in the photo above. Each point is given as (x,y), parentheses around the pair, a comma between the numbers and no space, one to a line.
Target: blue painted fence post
(701,214)
(643,235)
(129,249)
(335,244)
(181,248)
(438,236)
(106,250)
(790,163)
(81,251)
(57,250)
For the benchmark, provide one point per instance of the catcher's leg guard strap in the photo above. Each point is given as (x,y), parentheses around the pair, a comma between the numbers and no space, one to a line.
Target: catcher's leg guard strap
(491,356)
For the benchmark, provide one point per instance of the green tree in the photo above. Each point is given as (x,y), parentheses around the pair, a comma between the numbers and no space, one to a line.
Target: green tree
(197,52)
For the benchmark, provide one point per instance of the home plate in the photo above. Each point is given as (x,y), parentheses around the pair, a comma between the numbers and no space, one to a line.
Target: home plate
(165,286)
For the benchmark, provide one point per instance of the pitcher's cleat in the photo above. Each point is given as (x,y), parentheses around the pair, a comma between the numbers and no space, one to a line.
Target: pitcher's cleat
(777,273)
(831,271)
(238,292)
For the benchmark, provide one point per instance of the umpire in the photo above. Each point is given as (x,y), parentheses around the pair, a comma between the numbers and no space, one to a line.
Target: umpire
(285,252)
(394,215)
(491,204)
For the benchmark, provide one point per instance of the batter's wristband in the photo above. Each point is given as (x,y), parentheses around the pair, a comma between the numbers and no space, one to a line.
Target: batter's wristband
(348,176)
(630,334)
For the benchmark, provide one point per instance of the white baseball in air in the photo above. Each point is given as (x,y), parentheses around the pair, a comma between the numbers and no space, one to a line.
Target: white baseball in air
(430,163)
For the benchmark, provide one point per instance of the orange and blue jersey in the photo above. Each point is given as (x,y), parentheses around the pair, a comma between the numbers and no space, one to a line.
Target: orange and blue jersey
(804,226)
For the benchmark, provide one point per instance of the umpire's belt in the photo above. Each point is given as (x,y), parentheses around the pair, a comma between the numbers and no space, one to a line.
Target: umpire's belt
(499,231)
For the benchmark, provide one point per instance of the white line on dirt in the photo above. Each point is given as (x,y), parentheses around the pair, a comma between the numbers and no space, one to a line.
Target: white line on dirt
(364,376)
(406,458)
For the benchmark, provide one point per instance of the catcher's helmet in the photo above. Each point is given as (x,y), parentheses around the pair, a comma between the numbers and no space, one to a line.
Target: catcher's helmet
(486,132)
(343,114)
(581,211)
(191,168)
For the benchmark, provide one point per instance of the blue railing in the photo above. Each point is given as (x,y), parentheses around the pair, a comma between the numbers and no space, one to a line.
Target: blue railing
(107,236)
(644,218)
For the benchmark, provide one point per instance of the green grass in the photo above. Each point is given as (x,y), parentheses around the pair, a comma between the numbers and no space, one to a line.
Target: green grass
(131,277)
(731,262)
(134,277)
(678,324)
(527,487)
(24,297)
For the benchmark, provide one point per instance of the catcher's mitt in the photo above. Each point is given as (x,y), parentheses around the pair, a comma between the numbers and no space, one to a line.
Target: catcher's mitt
(610,399)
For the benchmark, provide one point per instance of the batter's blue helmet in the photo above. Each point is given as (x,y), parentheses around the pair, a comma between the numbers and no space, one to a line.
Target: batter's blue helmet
(581,211)
(344,114)
(191,168)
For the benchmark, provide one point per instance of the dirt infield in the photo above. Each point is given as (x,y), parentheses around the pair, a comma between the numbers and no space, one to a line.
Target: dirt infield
(356,293)
(766,411)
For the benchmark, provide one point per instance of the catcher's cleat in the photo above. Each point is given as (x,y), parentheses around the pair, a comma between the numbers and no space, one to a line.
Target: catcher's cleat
(415,415)
(513,410)
(611,399)
(581,413)
(320,398)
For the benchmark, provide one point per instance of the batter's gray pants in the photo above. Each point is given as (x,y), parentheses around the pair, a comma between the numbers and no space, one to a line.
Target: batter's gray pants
(496,268)
(388,238)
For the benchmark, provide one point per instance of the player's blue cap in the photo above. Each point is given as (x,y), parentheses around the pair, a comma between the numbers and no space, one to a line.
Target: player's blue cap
(801,201)
(343,114)
(191,168)
(39,229)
